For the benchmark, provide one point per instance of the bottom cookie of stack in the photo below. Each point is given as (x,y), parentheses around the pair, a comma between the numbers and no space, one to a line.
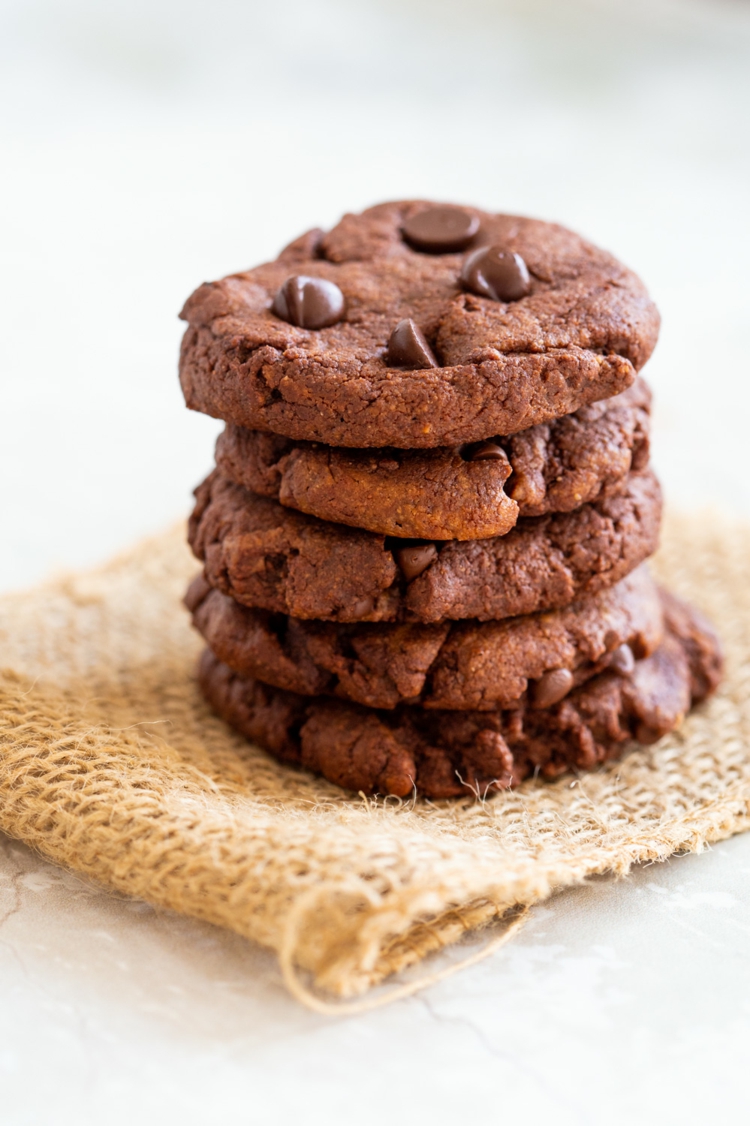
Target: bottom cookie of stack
(440,754)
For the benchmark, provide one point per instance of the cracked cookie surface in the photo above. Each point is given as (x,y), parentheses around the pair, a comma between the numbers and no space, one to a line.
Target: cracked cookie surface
(268,556)
(442,754)
(459,665)
(460,492)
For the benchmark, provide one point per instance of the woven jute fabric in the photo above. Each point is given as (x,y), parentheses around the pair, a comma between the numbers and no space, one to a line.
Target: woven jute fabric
(111,764)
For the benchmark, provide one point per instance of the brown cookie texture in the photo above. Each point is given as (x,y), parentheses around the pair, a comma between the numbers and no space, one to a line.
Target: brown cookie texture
(425,494)
(443,754)
(543,563)
(699,641)
(458,666)
(580,334)
(264,555)
(459,492)
(559,466)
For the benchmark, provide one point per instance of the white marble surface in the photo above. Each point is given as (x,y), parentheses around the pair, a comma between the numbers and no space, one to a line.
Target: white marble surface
(619,1003)
(151,144)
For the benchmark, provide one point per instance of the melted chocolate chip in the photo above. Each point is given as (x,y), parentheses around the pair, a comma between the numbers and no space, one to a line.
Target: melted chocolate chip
(440,230)
(414,560)
(309,302)
(496,273)
(407,347)
(552,687)
(487,451)
(622,660)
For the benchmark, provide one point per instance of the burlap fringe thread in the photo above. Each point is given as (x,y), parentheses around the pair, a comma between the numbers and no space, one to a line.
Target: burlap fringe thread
(113,766)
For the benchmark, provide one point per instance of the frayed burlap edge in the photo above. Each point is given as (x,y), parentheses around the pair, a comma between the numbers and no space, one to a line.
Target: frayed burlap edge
(113,766)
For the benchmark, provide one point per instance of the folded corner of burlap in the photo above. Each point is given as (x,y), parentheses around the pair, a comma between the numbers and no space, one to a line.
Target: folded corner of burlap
(113,766)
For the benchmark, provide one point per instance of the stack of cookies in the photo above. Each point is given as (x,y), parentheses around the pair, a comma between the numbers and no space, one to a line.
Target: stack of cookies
(423,543)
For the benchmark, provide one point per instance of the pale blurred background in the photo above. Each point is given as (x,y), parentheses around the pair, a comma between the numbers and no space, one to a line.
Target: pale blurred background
(148,145)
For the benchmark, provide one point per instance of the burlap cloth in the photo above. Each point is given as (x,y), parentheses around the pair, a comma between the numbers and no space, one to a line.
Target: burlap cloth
(112,765)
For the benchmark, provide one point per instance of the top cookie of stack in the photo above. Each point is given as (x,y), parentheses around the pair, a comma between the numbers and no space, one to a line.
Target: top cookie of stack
(313,346)
(449,401)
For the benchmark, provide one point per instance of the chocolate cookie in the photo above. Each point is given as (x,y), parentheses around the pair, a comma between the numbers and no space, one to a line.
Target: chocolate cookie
(372,336)
(442,754)
(459,492)
(265,555)
(461,665)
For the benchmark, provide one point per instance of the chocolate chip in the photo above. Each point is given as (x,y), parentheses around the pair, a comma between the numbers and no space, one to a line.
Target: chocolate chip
(496,273)
(552,687)
(440,230)
(622,660)
(309,302)
(414,560)
(361,608)
(407,347)
(487,451)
